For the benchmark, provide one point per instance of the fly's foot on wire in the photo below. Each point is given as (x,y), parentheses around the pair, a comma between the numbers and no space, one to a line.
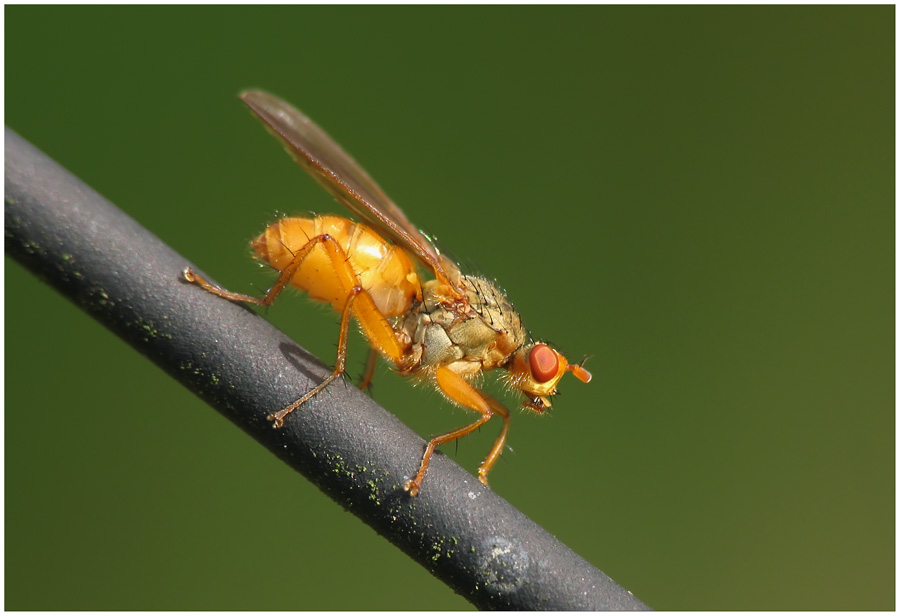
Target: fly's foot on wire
(412,487)
(277,419)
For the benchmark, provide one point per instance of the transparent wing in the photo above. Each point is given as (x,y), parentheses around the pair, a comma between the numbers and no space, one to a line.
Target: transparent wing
(337,172)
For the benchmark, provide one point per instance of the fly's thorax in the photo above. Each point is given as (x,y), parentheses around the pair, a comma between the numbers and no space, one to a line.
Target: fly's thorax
(382,269)
(480,333)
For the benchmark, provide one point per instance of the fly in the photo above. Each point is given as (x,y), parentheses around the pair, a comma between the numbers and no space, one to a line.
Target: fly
(445,330)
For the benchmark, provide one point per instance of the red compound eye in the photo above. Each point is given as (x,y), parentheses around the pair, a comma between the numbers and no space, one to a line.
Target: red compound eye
(544,363)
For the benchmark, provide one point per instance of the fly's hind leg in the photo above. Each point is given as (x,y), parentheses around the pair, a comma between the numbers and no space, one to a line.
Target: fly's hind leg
(284,277)
(458,390)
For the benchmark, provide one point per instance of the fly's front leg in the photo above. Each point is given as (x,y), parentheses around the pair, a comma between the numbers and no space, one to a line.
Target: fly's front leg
(458,390)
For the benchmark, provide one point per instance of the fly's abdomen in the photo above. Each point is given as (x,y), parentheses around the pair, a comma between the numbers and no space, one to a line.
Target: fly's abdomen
(384,270)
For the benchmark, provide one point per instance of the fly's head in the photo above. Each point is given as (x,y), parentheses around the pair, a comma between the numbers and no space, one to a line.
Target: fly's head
(535,370)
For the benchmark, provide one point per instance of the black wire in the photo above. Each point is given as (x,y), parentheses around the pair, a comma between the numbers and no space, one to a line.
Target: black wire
(351,448)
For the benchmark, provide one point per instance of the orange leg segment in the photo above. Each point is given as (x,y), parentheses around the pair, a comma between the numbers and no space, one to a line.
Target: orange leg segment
(359,303)
(459,390)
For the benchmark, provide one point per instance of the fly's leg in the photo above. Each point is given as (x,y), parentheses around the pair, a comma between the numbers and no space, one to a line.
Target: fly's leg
(377,329)
(370,370)
(284,277)
(277,419)
(458,390)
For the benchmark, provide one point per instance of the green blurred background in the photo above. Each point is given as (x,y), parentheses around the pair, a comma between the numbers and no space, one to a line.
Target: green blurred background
(701,199)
